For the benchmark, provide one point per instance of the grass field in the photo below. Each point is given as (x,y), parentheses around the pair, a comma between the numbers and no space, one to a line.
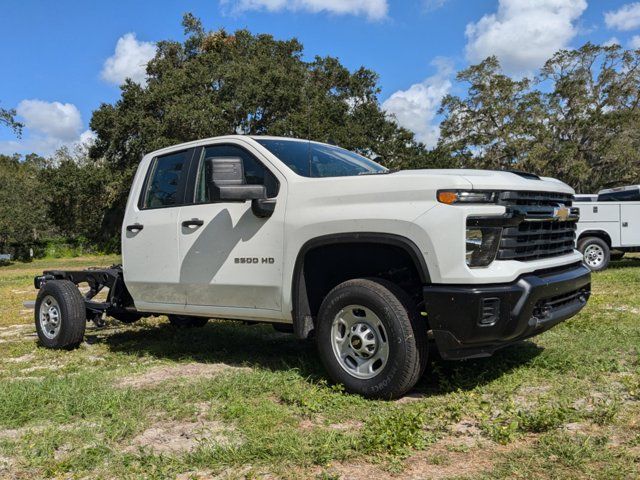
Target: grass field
(234,401)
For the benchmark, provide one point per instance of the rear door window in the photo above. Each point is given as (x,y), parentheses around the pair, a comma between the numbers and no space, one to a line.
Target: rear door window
(165,184)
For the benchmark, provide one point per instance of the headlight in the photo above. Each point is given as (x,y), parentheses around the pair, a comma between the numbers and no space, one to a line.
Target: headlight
(451,197)
(482,245)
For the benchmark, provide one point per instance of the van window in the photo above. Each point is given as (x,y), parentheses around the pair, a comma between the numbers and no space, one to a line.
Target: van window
(166,173)
(630,195)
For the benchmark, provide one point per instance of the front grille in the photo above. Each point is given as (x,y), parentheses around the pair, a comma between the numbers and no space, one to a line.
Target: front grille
(540,234)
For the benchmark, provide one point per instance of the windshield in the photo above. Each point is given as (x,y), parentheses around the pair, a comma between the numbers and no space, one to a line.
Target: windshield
(317,160)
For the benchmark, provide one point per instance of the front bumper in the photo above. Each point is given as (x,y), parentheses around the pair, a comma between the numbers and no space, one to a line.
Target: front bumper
(471,321)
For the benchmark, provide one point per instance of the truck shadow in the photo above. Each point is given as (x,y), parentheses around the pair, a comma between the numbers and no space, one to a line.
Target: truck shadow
(261,347)
(627,262)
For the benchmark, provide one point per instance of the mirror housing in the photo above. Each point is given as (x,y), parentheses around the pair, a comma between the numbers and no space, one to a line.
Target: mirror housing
(225,176)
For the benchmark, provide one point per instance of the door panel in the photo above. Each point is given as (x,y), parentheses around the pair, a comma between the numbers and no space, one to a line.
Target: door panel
(150,257)
(150,233)
(630,224)
(233,259)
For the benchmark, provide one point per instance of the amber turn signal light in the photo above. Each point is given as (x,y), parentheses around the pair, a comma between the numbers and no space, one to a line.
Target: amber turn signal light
(447,197)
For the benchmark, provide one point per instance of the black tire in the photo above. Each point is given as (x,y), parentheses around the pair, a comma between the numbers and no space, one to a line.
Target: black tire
(126,317)
(184,321)
(616,255)
(595,252)
(71,315)
(405,330)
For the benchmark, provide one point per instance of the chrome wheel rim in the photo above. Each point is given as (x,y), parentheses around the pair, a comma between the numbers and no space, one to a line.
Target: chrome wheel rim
(359,342)
(50,317)
(594,255)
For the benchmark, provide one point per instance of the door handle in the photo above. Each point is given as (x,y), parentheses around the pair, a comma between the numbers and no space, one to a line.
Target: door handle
(136,227)
(194,222)
(625,224)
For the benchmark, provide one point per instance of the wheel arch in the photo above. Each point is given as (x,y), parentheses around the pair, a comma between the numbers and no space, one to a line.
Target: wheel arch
(603,235)
(302,305)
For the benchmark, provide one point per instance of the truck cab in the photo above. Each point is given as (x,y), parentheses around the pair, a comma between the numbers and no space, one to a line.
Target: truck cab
(377,266)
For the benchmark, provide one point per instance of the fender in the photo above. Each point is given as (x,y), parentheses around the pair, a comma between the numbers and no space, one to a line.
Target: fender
(302,319)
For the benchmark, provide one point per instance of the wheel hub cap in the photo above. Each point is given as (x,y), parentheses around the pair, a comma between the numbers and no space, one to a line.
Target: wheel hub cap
(593,255)
(359,341)
(49,317)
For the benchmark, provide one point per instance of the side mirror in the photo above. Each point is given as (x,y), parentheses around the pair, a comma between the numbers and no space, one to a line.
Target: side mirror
(225,176)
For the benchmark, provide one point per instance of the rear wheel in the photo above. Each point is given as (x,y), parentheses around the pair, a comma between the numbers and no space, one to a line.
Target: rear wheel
(371,339)
(184,321)
(596,253)
(60,315)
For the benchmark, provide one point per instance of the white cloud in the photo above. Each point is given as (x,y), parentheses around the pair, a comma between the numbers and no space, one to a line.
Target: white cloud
(417,107)
(626,17)
(129,60)
(523,34)
(53,119)
(612,41)
(372,9)
(635,42)
(48,126)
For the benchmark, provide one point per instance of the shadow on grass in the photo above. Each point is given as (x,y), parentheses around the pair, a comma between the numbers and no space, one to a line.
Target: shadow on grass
(260,346)
(444,376)
(626,262)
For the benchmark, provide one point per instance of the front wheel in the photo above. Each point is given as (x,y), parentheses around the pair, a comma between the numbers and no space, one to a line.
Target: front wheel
(60,315)
(371,339)
(596,253)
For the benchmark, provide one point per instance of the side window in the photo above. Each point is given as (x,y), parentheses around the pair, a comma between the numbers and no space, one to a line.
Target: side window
(162,186)
(255,173)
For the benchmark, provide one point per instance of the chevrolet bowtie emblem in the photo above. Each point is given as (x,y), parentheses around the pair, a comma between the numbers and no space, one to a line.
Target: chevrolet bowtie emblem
(561,213)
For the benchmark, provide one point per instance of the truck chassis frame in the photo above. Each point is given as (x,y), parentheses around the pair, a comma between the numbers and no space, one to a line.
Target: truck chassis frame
(118,302)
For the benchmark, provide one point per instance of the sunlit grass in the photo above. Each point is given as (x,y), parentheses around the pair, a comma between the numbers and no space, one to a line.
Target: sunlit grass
(565,404)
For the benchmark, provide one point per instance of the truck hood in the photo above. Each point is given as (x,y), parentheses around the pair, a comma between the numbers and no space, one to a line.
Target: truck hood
(496,180)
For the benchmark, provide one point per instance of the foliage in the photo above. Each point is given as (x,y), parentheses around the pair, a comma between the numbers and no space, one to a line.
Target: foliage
(578,121)
(76,191)
(7,119)
(22,212)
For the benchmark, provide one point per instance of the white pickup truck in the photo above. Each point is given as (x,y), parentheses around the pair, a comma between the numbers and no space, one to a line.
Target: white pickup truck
(377,266)
(609,225)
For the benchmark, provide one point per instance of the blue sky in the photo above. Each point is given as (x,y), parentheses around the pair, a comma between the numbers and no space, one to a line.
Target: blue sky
(62,59)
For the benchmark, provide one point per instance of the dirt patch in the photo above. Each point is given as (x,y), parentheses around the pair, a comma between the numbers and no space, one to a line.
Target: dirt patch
(14,330)
(157,375)
(466,428)
(22,359)
(349,425)
(180,437)
(5,463)
(410,398)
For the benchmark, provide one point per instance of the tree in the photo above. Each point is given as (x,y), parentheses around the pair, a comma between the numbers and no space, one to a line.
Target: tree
(496,124)
(217,83)
(593,130)
(22,211)
(7,119)
(577,121)
(76,190)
